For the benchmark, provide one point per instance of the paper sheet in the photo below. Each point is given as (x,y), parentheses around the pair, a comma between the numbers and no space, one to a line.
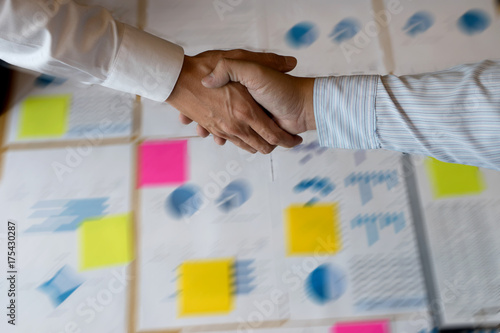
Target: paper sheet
(429,36)
(49,193)
(199,26)
(162,120)
(370,274)
(221,211)
(462,235)
(93,113)
(327,37)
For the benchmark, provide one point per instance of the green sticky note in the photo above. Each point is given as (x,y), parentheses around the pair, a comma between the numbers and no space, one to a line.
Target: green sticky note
(106,241)
(452,180)
(44,116)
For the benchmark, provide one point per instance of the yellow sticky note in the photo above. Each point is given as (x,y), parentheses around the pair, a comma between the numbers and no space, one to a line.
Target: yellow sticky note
(313,230)
(44,116)
(451,180)
(105,242)
(206,287)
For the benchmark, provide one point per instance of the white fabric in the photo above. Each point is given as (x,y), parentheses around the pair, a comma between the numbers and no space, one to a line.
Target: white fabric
(65,39)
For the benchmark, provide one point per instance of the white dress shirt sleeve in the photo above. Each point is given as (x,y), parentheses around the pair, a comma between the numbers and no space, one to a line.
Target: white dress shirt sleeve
(452,115)
(65,39)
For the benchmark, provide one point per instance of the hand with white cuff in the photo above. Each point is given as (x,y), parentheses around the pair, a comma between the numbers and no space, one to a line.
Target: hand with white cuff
(289,99)
(229,112)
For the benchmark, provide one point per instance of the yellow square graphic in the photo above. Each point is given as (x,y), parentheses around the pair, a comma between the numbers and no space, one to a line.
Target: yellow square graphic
(206,287)
(44,116)
(451,180)
(313,229)
(106,242)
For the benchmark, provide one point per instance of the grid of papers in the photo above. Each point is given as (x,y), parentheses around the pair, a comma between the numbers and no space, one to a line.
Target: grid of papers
(132,223)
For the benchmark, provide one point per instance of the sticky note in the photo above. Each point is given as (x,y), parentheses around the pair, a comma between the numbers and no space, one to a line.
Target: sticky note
(379,326)
(163,163)
(44,116)
(312,229)
(105,241)
(451,180)
(206,287)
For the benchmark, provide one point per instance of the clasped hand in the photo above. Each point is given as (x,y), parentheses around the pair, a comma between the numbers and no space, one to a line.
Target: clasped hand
(227,93)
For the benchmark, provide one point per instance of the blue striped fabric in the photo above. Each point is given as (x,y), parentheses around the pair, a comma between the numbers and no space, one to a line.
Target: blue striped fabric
(452,115)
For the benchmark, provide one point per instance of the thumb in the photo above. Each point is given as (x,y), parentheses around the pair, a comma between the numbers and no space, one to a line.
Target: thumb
(228,70)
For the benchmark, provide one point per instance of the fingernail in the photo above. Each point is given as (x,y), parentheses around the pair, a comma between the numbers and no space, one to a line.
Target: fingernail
(207,79)
(290,61)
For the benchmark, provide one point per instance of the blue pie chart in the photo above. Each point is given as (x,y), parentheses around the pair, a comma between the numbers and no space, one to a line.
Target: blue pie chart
(234,195)
(183,201)
(302,35)
(418,23)
(326,283)
(473,22)
(345,30)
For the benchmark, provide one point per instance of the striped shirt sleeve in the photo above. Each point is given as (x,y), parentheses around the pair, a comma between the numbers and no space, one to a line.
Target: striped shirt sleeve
(452,115)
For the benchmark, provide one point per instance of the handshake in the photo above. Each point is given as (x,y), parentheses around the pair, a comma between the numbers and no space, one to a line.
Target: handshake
(228,93)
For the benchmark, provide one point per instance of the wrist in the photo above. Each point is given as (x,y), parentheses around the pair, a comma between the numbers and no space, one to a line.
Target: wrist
(308,103)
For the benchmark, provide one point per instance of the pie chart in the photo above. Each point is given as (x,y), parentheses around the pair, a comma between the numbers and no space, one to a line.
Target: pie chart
(474,22)
(345,30)
(302,35)
(183,202)
(418,23)
(234,195)
(326,283)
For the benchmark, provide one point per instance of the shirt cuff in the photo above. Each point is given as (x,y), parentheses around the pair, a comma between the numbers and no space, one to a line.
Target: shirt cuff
(344,108)
(145,65)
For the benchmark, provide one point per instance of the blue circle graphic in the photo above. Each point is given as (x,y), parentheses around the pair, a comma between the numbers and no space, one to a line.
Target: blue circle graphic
(326,283)
(234,195)
(302,35)
(474,22)
(345,30)
(418,23)
(183,201)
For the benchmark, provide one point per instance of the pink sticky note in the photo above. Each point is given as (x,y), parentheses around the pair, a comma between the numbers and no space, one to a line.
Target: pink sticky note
(379,326)
(163,163)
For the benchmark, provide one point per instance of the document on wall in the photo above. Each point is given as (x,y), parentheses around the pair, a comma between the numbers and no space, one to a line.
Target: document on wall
(69,111)
(205,246)
(460,206)
(72,216)
(344,236)
(327,37)
(429,36)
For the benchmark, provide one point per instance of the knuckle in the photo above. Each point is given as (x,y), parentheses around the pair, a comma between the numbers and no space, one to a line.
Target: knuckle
(242,115)
(266,149)
(238,53)
(226,128)
(273,140)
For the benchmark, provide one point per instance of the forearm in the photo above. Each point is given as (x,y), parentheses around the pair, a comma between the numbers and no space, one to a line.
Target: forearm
(453,115)
(83,43)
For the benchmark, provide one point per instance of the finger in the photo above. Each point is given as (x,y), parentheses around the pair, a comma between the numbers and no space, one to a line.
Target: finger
(272,60)
(246,73)
(255,141)
(266,128)
(184,120)
(220,141)
(238,142)
(201,131)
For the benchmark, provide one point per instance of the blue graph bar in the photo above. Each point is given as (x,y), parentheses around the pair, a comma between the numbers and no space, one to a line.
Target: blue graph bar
(372,228)
(365,181)
(66,215)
